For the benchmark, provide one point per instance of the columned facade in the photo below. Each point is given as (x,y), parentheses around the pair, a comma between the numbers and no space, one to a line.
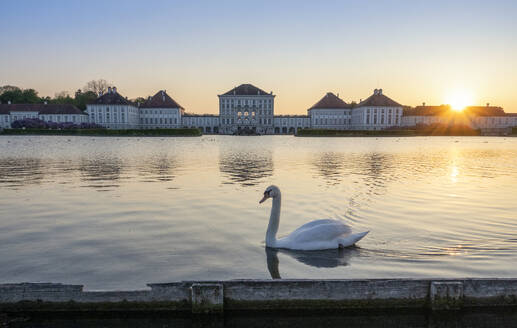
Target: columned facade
(246,107)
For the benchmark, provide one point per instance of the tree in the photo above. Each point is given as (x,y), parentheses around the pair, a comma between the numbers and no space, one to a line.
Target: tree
(18,96)
(139,100)
(6,88)
(97,86)
(84,98)
(62,98)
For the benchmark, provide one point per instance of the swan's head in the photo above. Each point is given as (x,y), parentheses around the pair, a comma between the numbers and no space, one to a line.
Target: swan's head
(270,192)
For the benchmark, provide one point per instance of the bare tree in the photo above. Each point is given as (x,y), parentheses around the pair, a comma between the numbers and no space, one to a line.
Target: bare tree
(97,86)
(62,94)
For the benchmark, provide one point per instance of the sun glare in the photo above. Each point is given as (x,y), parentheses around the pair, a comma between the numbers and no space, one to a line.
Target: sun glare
(459,100)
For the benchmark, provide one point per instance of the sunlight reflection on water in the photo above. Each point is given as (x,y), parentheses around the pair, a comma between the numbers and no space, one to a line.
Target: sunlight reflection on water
(122,212)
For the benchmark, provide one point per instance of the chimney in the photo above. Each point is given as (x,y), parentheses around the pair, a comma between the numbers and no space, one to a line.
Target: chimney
(109,89)
(163,96)
(380,91)
(338,94)
(375,91)
(114,89)
(423,104)
(487,104)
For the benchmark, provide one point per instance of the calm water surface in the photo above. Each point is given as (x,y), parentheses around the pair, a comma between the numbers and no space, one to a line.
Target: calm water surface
(122,212)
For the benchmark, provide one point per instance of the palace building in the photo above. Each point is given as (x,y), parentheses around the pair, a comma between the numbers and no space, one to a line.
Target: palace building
(330,112)
(376,112)
(250,109)
(113,111)
(45,112)
(160,111)
(246,107)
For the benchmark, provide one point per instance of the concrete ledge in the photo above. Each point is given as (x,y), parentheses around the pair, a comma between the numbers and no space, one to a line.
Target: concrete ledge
(446,295)
(207,298)
(259,295)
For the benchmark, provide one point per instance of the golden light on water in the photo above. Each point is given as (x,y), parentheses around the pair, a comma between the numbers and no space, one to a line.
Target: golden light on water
(459,99)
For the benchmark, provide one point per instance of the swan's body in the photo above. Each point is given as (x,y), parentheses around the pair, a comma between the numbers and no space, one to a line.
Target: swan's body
(315,235)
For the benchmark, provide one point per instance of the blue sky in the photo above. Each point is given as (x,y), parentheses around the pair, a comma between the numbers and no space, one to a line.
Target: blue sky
(415,50)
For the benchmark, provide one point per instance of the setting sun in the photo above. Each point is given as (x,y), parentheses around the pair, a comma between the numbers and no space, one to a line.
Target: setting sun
(459,99)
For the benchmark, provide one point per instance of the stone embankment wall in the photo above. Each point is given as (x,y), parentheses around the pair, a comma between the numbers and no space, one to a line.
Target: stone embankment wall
(266,295)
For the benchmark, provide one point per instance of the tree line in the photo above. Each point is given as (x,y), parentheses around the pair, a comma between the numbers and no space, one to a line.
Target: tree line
(80,98)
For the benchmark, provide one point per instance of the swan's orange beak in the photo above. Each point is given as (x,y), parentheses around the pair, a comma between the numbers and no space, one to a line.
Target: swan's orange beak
(263,199)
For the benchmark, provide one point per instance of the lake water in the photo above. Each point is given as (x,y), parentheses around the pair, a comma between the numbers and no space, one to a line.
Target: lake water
(117,213)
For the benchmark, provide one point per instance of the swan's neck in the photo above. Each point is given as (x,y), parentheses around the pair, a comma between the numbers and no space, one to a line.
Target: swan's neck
(274,221)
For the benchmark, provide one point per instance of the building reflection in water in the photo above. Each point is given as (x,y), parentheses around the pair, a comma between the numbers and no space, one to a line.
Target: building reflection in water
(157,168)
(329,258)
(21,171)
(101,172)
(330,166)
(246,168)
(371,171)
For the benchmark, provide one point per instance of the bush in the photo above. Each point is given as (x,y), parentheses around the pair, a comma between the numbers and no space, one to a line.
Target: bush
(36,123)
(352,133)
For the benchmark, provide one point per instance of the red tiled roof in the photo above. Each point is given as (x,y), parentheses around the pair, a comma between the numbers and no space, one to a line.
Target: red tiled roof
(378,100)
(44,109)
(330,101)
(246,90)
(160,100)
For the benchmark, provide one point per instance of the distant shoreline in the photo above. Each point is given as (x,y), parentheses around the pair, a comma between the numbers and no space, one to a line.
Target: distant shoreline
(105,132)
(386,133)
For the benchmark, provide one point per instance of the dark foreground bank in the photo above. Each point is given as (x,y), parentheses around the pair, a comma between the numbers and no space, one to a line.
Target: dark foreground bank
(267,303)
(104,132)
(479,318)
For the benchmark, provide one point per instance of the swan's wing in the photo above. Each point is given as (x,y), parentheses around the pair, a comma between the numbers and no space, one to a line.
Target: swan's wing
(315,223)
(324,231)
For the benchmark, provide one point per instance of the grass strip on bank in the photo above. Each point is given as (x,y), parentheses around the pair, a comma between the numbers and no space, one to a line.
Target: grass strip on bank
(105,132)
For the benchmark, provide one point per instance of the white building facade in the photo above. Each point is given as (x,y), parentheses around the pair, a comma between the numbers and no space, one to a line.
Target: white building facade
(246,107)
(56,113)
(331,112)
(290,124)
(377,112)
(160,112)
(206,123)
(113,111)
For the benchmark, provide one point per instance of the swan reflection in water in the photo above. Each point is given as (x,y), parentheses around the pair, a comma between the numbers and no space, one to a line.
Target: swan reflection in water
(329,258)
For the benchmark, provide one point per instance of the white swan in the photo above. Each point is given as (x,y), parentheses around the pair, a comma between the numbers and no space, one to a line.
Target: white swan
(315,235)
